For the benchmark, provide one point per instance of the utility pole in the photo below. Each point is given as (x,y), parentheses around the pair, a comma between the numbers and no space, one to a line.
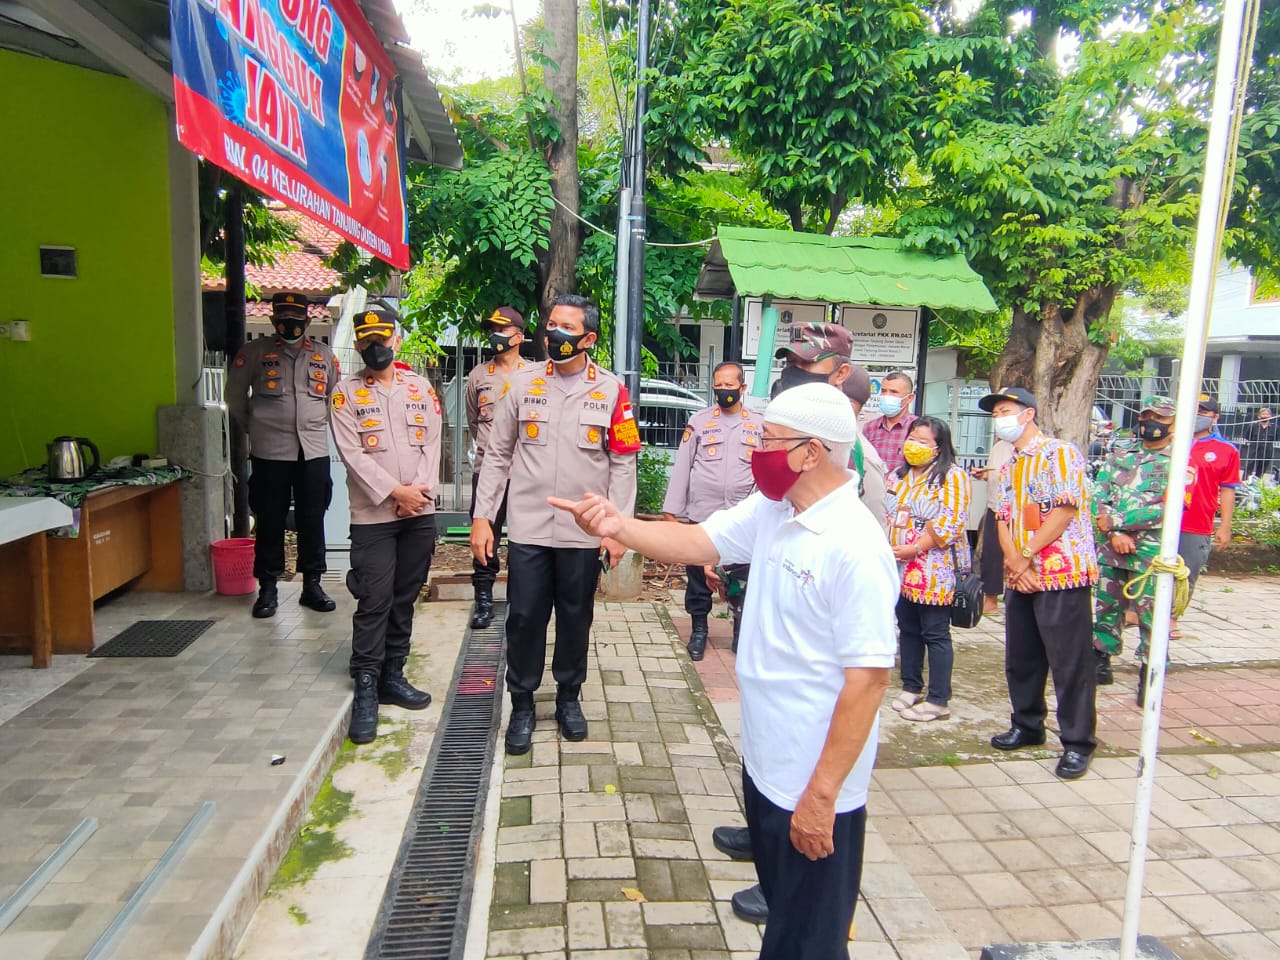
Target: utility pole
(233,257)
(636,217)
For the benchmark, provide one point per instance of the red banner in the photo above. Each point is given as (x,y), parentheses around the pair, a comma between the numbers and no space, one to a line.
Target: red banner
(298,99)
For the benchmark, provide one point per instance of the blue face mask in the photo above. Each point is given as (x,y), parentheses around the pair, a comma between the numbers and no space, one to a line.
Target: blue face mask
(890,405)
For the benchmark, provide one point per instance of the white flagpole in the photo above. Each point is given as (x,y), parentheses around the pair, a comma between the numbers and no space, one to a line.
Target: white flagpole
(1218,167)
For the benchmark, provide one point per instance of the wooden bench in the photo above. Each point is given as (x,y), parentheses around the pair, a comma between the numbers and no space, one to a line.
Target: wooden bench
(128,536)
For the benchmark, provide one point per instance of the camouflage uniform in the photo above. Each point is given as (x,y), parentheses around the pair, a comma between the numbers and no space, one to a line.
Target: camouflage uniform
(1130,489)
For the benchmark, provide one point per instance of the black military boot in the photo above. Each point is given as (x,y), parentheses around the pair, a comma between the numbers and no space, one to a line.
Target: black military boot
(482,612)
(569,718)
(520,726)
(313,594)
(1102,667)
(395,689)
(268,600)
(697,644)
(364,709)
(1141,699)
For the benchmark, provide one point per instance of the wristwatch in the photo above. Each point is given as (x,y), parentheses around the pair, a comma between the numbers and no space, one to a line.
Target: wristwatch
(1028,552)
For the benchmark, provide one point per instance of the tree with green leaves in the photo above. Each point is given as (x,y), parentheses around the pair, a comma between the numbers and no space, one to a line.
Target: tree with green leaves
(1084,185)
(1065,178)
(814,99)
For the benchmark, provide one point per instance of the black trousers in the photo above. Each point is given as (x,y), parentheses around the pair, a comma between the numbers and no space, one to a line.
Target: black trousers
(484,574)
(389,565)
(1052,631)
(538,579)
(810,901)
(272,485)
(697,595)
(991,559)
(923,628)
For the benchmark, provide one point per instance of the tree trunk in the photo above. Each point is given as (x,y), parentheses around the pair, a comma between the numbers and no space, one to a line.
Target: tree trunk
(1052,356)
(557,265)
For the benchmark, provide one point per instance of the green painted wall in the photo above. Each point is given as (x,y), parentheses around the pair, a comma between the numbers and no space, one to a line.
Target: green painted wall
(85,165)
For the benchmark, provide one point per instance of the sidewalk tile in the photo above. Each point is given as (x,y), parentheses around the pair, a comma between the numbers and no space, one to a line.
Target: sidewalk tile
(1207,914)
(586,927)
(624,924)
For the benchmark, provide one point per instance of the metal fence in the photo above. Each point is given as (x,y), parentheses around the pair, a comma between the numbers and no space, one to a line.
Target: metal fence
(1120,398)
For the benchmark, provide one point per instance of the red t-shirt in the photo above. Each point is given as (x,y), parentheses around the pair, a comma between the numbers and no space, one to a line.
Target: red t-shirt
(1214,464)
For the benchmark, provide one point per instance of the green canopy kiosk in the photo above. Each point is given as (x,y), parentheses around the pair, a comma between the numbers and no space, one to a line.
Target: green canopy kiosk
(882,292)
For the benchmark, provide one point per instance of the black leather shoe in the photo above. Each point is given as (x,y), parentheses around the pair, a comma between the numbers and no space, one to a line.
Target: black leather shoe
(395,689)
(268,600)
(733,842)
(314,597)
(1102,666)
(1073,765)
(697,644)
(1015,738)
(1141,698)
(750,905)
(520,728)
(573,725)
(364,709)
(482,611)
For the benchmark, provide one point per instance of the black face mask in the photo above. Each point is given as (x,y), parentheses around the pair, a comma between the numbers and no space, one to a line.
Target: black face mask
(563,346)
(727,398)
(291,328)
(377,356)
(793,376)
(1152,430)
(499,342)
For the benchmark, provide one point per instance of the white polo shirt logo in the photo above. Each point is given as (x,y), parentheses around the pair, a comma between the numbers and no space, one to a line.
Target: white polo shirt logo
(804,576)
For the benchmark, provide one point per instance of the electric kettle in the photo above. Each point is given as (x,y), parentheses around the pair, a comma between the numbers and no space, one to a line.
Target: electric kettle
(66,462)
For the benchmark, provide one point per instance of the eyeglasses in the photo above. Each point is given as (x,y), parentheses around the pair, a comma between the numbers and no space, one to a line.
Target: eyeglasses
(803,440)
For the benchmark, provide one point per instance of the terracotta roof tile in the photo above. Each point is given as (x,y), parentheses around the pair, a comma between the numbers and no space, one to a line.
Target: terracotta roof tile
(302,270)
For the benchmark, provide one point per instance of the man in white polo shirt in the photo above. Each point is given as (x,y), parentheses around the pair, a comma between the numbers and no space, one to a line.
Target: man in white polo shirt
(813,661)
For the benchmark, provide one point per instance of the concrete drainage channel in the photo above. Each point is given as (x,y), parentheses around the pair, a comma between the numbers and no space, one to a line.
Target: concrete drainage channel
(427,901)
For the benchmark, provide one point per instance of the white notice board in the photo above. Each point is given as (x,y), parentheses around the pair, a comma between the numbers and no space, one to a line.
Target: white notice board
(790,312)
(882,335)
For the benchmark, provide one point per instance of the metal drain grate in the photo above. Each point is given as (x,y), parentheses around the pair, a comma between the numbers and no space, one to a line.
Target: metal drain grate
(425,908)
(153,638)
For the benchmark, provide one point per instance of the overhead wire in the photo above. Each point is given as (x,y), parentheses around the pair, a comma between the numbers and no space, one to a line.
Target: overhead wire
(613,80)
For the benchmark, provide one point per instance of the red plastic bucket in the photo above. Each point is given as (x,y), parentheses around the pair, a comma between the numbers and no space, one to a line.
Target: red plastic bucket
(233,566)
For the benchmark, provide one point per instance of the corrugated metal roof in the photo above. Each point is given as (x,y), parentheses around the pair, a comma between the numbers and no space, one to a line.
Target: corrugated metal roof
(806,266)
(432,138)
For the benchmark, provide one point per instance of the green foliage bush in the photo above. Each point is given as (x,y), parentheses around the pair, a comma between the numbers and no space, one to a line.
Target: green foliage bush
(651,479)
(1257,515)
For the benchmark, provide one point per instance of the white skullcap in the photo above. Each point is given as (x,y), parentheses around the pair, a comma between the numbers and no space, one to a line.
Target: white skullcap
(815,410)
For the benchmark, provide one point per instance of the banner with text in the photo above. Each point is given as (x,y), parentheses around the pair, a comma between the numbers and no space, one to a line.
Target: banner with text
(298,99)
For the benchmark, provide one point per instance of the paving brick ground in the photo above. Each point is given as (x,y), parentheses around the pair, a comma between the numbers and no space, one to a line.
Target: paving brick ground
(1002,851)
(601,850)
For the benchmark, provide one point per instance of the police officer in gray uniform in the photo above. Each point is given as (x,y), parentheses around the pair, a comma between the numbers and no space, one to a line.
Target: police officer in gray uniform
(386,425)
(712,472)
(564,428)
(278,390)
(488,383)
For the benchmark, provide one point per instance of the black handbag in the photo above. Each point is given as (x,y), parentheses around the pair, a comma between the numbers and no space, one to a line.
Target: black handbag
(966,605)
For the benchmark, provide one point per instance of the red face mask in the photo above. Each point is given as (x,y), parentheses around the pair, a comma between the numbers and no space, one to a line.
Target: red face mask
(772,473)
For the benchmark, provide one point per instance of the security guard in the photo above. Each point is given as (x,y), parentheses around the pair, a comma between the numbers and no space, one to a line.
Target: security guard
(564,428)
(486,385)
(712,471)
(1129,507)
(386,424)
(286,416)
